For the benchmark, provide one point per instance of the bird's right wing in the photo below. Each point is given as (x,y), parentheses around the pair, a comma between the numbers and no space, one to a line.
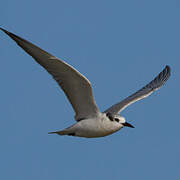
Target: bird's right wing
(76,86)
(142,93)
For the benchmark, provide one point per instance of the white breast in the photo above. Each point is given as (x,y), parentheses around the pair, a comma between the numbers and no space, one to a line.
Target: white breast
(97,127)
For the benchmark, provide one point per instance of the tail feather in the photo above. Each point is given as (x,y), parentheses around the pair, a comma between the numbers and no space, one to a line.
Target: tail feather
(59,132)
(70,131)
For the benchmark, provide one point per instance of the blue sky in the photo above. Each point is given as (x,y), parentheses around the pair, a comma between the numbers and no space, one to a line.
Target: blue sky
(119,46)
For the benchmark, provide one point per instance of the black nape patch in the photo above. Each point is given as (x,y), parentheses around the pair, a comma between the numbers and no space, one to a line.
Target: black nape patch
(116,119)
(71,134)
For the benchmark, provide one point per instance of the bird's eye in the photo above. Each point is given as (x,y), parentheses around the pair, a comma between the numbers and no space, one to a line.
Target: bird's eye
(116,119)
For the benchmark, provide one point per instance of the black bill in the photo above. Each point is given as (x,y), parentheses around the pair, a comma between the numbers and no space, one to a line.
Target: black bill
(128,125)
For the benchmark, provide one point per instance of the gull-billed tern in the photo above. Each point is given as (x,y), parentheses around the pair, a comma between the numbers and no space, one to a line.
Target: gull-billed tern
(90,122)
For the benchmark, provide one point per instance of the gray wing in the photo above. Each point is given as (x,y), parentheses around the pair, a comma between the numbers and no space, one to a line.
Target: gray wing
(142,93)
(76,86)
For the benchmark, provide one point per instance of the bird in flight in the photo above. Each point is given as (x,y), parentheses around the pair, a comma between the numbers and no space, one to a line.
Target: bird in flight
(90,122)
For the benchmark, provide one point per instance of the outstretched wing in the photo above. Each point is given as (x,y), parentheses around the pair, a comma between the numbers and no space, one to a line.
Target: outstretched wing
(142,93)
(76,86)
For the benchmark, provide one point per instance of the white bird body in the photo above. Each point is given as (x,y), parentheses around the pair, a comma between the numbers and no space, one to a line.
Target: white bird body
(94,127)
(90,121)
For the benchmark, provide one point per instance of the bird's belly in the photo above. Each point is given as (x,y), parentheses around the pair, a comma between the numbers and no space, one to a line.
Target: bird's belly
(90,129)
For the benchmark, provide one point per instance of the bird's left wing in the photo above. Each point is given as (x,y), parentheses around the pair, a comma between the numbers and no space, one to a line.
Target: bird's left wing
(142,93)
(76,86)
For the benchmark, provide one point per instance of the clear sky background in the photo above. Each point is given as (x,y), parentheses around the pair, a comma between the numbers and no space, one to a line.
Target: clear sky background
(119,46)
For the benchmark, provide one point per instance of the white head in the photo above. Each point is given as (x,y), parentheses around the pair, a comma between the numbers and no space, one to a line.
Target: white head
(119,119)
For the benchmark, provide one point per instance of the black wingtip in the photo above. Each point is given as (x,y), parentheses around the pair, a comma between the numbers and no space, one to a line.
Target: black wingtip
(13,36)
(7,32)
(168,68)
(166,72)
